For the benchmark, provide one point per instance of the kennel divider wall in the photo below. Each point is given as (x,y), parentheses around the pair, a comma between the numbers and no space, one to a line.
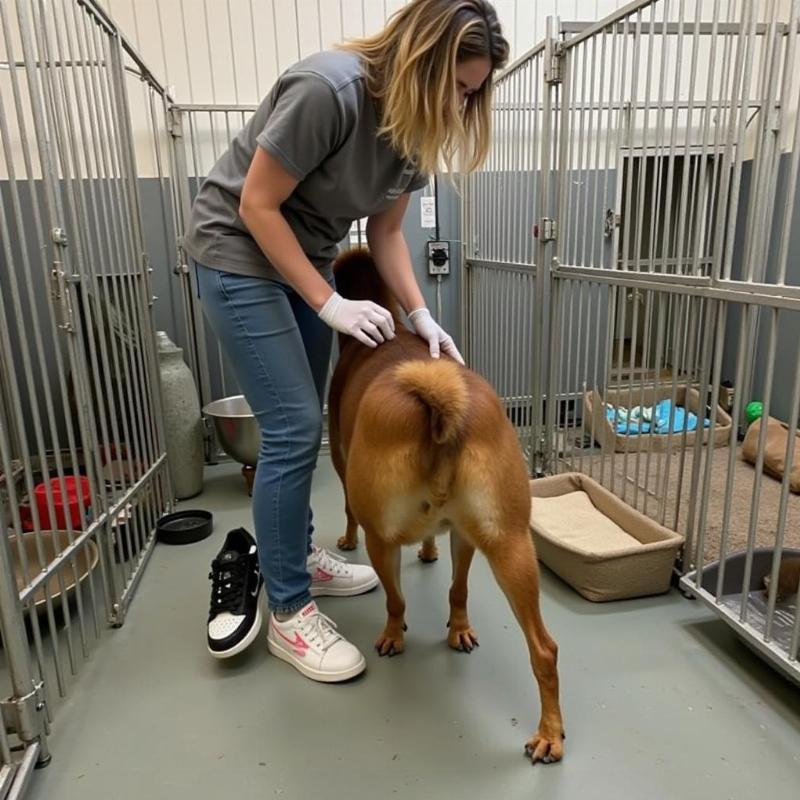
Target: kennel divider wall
(79,385)
(632,234)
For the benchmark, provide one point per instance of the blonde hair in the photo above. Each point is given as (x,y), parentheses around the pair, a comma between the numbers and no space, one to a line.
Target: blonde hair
(410,69)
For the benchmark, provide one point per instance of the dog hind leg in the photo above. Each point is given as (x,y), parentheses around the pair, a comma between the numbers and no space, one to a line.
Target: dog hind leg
(513,561)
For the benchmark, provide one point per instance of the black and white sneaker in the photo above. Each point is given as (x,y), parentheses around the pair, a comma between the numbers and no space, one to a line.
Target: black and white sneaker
(234,618)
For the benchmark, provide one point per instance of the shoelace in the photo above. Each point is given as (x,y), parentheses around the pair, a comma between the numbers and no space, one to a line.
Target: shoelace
(227,585)
(331,561)
(319,628)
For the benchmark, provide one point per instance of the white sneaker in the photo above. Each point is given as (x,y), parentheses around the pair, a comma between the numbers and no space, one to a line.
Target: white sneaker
(333,576)
(310,642)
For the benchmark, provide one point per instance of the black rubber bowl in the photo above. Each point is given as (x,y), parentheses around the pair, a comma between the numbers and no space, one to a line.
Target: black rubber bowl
(185,527)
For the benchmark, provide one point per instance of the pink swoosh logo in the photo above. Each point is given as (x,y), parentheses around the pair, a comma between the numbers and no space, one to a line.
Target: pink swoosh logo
(298,645)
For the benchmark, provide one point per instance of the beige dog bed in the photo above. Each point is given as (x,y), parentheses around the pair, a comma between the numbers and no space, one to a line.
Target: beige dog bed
(598,544)
(774,451)
(604,433)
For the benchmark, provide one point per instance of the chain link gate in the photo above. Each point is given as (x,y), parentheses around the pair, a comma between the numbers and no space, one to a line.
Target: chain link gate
(628,243)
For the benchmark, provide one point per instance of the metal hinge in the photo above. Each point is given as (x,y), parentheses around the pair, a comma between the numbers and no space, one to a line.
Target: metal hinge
(774,120)
(148,278)
(174,122)
(59,279)
(612,221)
(548,230)
(553,65)
(18,714)
(181,267)
(60,294)
(116,617)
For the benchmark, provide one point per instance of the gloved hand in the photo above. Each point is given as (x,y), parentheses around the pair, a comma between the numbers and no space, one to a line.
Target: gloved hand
(426,327)
(366,321)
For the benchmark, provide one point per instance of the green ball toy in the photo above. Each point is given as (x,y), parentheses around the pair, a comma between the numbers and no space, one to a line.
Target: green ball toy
(753,411)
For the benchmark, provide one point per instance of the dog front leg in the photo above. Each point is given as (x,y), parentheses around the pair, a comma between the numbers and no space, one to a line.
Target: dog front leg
(428,552)
(350,539)
(460,635)
(385,559)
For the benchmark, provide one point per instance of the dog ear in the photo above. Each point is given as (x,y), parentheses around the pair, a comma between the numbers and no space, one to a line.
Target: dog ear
(357,278)
(355,274)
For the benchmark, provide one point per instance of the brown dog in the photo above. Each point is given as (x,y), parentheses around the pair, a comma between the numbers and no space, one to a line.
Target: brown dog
(423,446)
(788,580)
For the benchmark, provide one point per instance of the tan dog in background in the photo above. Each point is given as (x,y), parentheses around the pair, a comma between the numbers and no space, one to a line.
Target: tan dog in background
(423,446)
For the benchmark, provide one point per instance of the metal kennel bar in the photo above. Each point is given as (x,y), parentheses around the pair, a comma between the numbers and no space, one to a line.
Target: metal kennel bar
(83,474)
(23,722)
(200,134)
(666,195)
(501,207)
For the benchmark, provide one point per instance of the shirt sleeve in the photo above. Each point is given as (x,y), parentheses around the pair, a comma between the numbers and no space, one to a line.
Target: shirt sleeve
(305,123)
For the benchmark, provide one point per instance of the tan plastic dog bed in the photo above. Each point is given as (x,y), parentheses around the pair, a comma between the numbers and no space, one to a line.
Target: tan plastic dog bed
(774,451)
(598,544)
(605,435)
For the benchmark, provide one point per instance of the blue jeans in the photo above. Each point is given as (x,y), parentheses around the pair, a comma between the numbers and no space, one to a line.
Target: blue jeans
(280,351)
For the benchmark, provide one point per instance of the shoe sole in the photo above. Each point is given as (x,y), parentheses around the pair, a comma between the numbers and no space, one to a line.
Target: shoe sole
(315,674)
(244,643)
(324,591)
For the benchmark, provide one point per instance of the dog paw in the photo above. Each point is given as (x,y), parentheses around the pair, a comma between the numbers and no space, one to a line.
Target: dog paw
(462,638)
(428,553)
(343,543)
(545,746)
(390,643)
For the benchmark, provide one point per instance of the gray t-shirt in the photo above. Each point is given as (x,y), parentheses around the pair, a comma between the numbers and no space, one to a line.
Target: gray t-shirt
(320,123)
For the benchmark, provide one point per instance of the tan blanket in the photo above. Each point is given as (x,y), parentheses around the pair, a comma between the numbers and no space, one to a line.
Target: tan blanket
(573,519)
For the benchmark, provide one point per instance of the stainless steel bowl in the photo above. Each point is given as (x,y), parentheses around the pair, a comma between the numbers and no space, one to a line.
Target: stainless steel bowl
(236,427)
(51,542)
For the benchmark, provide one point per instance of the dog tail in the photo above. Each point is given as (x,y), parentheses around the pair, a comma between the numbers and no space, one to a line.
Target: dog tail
(441,386)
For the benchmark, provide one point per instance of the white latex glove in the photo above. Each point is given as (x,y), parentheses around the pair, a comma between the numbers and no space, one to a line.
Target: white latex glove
(366,321)
(426,327)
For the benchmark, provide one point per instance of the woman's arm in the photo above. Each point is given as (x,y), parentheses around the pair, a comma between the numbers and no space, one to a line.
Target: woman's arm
(266,187)
(390,251)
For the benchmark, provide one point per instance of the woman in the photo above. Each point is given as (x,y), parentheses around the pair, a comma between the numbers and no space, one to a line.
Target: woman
(342,135)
